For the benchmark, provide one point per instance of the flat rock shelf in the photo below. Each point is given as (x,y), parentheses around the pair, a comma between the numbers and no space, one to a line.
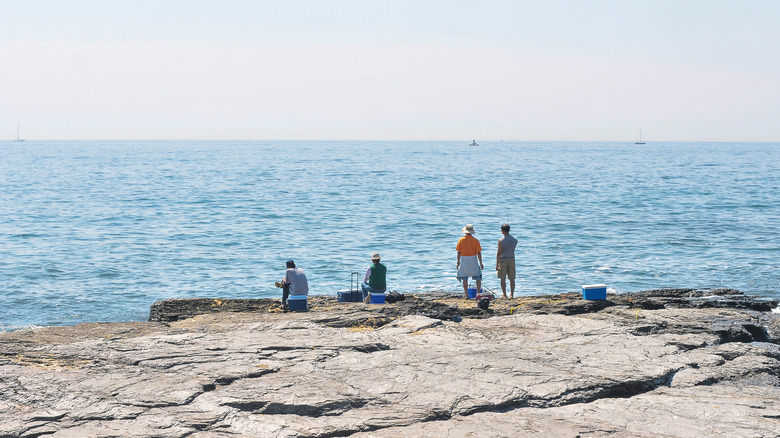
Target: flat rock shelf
(662,363)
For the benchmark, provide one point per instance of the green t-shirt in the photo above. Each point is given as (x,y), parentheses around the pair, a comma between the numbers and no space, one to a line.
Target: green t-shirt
(378,278)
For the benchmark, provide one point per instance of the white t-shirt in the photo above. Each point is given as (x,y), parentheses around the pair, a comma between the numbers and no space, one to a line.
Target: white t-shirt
(299,285)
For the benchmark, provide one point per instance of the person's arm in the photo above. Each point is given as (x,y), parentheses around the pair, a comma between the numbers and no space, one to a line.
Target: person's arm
(479,256)
(368,275)
(498,256)
(458,263)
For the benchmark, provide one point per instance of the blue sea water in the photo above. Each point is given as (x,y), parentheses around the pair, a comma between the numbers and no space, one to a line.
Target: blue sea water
(98,231)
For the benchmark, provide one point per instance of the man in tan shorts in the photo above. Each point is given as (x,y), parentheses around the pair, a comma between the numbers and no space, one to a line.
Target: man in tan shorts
(505,260)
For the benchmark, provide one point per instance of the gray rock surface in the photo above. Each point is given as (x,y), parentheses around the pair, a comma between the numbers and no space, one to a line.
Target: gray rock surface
(660,363)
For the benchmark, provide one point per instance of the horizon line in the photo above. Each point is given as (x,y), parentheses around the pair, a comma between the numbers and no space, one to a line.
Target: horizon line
(632,141)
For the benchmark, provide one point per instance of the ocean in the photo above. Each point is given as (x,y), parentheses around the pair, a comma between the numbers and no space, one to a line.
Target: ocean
(99,230)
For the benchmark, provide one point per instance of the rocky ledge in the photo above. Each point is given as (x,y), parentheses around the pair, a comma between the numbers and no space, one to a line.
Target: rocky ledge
(657,363)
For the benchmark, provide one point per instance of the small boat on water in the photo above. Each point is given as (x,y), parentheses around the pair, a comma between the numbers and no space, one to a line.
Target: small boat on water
(641,141)
(473,143)
(17,134)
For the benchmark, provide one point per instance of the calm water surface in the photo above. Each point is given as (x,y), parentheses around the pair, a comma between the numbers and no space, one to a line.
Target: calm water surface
(97,231)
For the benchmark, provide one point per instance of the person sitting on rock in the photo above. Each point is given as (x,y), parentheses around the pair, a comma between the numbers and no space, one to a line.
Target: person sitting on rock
(375,280)
(294,283)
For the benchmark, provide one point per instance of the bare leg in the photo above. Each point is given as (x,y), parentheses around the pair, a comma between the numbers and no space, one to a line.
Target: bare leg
(479,286)
(503,286)
(511,288)
(466,287)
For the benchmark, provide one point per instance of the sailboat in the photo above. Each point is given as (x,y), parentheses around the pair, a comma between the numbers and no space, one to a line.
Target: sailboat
(640,138)
(17,134)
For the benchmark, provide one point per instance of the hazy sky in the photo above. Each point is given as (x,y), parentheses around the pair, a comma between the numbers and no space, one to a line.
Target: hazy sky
(362,69)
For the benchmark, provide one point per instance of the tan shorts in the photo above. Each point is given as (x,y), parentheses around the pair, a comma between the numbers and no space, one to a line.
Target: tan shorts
(506,267)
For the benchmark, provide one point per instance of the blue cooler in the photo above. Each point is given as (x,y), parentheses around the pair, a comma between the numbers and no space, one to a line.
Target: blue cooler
(594,291)
(377,298)
(298,303)
(473,292)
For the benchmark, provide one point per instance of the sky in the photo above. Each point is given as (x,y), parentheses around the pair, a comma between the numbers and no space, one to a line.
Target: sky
(682,70)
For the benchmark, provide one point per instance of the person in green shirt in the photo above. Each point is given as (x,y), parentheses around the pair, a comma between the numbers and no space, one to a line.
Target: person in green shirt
(375,280)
